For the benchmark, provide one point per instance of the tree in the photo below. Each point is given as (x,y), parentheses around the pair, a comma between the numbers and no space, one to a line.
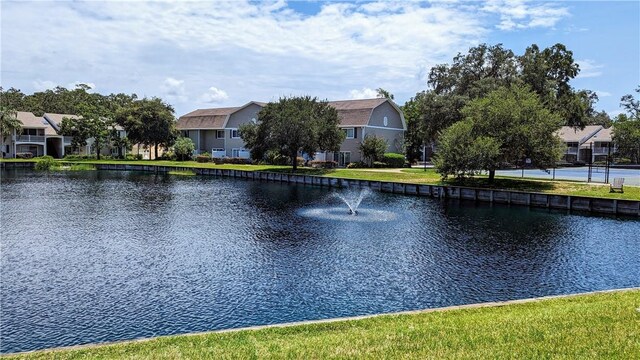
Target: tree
(462,154)
(511,118)
(373,148)
(293,125)
(12,98)
(9,122)
(626,128)
(92,122)
(183,148)
(149,122)
(382,93)
(600,118)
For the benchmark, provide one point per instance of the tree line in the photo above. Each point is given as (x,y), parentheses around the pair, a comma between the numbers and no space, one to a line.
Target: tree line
(491,107)
(147,121)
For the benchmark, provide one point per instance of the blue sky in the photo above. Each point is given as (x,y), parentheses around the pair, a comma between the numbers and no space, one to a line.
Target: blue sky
(211,54)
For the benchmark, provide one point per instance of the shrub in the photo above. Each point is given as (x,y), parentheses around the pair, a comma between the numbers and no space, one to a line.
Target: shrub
(183,148)
(235,160)
(45,163)
(273,157)
(393,160)
(373,148)
(357,165)
(380,164)
(623,161)
(134,157)
(168,155)
(203,158)
(321,164)
(24,155)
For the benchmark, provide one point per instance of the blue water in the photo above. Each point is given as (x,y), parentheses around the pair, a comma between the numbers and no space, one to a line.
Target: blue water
(100,256)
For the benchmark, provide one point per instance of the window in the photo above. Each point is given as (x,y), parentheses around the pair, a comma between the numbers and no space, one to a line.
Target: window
(385,121)
(219,134)
(235,134)
(184,133)
(350,132)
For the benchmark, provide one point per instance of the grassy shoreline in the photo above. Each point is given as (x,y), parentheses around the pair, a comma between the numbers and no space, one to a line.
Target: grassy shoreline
(414,176)
(596,325)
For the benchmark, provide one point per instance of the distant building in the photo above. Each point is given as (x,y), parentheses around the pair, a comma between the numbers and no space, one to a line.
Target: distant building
(216,130)
(586,145)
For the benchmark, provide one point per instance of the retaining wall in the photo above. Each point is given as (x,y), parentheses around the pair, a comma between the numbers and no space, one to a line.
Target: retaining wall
(510,197)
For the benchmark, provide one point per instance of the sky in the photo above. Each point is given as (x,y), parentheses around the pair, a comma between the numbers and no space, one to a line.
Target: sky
(216,54)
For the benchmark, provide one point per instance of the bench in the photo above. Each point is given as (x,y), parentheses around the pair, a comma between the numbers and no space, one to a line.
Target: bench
(618,183)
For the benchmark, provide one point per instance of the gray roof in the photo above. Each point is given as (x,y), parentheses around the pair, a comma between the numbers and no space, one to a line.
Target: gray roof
(571,134)
(356,112)
(205,118)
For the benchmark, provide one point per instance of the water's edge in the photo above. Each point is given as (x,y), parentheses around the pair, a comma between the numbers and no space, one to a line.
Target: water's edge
(322,321)
(509,197)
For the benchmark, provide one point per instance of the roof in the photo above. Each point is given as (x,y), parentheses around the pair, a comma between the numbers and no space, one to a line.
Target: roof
(356,112)
(31,121)
(205,118)
(56,119)
(350,113)
(571,134)
(604,135)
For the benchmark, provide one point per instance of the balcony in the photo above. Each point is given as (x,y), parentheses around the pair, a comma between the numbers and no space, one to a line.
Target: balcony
(602,150)
(30,138)
(571,150)
(67,140)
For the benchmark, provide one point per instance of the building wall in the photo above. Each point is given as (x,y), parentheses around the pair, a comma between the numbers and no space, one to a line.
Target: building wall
(394,137)
(394,121)
(209,141)
(243,116)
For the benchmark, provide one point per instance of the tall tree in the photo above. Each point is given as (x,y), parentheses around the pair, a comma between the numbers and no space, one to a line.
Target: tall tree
(149,122)
(293,125)
(382,93)
(9,122)
(92,122)
(12,99)
(513,119)
(626,128)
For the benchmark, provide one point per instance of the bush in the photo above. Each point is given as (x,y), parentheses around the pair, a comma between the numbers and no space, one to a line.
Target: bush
(380,164)
(24,155)
(183,148)
(134,157)
(168,155)
(623,161)
(275,158)
(203,158)
(321,164)
(357,165)
(235,160)
(372,148)
(393,160)
(84,157)
(45,163)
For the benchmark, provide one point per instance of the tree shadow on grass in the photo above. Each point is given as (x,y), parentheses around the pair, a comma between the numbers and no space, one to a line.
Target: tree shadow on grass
(299,171)
(508,184)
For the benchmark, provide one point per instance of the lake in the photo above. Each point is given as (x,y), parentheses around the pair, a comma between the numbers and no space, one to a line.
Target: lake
(95,256)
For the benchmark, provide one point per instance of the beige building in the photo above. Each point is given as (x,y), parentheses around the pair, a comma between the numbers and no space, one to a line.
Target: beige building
(216,130)
(590,144)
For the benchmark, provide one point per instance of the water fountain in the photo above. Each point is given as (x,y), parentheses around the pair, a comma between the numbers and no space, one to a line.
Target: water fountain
(352,199)
(353,203)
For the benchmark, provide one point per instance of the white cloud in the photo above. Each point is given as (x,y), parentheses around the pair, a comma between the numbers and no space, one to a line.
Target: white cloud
(521,14)
(589,68)
(214,95)
(365,93)
(42,85)
(252,50)
(601,93)
(174,89)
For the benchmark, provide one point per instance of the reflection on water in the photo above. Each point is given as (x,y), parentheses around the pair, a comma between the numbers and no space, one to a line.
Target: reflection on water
(99,256)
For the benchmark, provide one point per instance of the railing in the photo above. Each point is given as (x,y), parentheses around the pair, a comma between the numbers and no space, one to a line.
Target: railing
(601,150)
(218,153)
(572,150)
(29,138)
(67,139)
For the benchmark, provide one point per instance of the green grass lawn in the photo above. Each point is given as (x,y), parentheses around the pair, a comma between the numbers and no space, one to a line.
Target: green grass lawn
(416,176)
(604,325)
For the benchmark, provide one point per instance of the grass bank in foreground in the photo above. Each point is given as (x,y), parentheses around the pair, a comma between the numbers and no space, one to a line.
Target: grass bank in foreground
(416,176)
(603,325)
